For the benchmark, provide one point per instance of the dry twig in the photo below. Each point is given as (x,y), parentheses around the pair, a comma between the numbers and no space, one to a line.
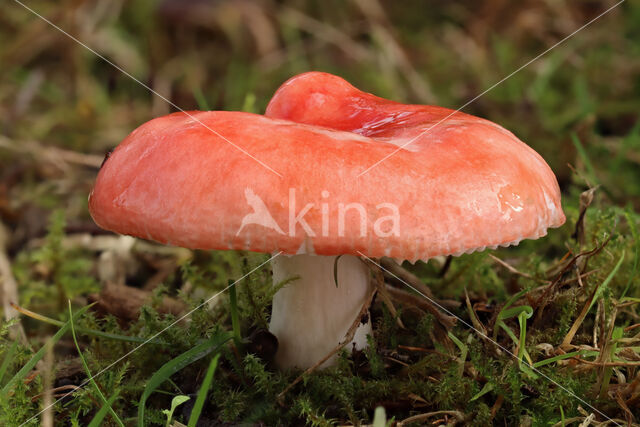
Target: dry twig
(406,276)
(457,415)
(384,292)
(516,271)
(420,302)
(566,342)
(57,156)
(47,385)
(586,198)
(547,295)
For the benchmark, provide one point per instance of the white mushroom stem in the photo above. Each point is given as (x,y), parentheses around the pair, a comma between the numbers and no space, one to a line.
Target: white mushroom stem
(310,315)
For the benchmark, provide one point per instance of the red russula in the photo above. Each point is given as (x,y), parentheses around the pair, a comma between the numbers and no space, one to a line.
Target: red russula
(464,185)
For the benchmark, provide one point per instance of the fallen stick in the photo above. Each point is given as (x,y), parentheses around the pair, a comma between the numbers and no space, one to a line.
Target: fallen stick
(54,155)
(514,270)
(406,276)
(418,301)
(459,416)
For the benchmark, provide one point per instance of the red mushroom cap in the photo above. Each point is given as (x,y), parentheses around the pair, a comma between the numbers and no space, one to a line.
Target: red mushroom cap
(464,185)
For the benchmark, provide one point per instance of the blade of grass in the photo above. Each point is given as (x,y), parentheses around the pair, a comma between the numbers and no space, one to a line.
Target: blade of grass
(513,299)
(505,308)
(485,389)
(202,393)
(618,332)
(516,311)
(523,313)
(86,331)
(522,350)
(96,421)
(201,350)
(472,314)
(606,281)
(566,342)
(115,416)
(565,356)
(201,100)
(39,355)
(524,367)
(7,359)
(463,352)
(523,316)
(508,331)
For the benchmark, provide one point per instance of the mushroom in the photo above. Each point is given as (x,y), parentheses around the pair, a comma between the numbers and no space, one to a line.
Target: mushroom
(463,185)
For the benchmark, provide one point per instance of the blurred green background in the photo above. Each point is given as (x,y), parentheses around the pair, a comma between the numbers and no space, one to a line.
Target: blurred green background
(62,108)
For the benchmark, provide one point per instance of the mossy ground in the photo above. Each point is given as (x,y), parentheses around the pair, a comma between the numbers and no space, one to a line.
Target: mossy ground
(577,106)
